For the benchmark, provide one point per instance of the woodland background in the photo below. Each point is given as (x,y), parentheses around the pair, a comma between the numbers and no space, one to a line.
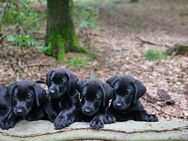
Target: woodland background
(137,38)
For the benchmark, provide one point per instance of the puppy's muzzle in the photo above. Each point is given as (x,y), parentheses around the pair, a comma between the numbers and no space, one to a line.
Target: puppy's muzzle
(119,105)
(20,111)
(52,93)
(88,111)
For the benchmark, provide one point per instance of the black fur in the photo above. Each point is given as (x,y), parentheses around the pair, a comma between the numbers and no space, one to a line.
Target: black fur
(95,96)
(63,96)
(5,105)
(28,101)
(125,104)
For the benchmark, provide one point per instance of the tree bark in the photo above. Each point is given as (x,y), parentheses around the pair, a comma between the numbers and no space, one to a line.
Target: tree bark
(60,31)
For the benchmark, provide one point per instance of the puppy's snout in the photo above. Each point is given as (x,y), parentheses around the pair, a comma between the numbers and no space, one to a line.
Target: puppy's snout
(52,91)
(87,110)
(20,111)
(118,104)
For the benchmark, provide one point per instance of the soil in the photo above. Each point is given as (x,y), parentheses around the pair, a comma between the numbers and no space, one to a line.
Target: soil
(119,51)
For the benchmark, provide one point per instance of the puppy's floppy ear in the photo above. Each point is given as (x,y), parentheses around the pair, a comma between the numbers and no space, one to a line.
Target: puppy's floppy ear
(80,84)
(140,90)
(40,94)
(107,94)
(72,80)
(48,77)
(11,89)
(111,81)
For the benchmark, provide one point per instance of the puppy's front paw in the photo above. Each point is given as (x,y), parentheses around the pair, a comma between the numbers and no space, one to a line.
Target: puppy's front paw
(7,125)
(62,122)
(96,124)
(152,118)
(108,119)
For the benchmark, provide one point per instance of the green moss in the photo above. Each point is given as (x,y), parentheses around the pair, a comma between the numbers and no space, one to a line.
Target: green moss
(56,45)
(61,41)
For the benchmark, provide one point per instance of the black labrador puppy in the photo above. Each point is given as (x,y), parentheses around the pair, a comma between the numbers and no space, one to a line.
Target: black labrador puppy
(95,96)
(5,105)
(63,96)
(28,101)
(125,104)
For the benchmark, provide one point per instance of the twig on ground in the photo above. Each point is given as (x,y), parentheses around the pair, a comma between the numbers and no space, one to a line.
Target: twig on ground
(166,102)
(145,41)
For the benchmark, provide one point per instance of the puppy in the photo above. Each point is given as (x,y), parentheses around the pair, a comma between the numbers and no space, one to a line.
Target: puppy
(125,103)
(63,96)
(5,106)
(28,101)
(95,96)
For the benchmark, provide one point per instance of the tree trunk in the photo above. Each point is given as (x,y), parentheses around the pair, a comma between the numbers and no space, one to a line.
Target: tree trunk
(60,31)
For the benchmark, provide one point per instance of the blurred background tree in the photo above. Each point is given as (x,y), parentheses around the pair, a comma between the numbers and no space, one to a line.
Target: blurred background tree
(60,31)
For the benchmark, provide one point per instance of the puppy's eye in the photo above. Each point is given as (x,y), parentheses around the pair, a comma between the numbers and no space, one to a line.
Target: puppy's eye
(29,97)
(115,90)
(15,97)
(83,94)
(128,92)
(62,81)
(97,97)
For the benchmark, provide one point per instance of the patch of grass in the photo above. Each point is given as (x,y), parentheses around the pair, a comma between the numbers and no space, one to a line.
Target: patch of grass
(77,61)
(154,54)
(134,1)
(115,1)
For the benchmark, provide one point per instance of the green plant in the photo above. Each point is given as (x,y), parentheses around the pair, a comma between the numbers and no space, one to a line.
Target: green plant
(115,1)
(134,1)
(77,61)
(154,54)
(23,18)
(20,13)
(25,40)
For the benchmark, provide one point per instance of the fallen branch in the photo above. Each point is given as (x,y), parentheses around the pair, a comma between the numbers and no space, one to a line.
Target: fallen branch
(152,42)
(153,100)
(40,65)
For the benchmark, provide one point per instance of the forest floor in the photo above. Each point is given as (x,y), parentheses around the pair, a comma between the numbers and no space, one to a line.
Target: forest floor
(120,51)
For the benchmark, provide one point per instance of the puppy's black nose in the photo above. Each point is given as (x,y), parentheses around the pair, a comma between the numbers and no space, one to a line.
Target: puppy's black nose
(87,110)
(118,104)
(20,111)
(52,91)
